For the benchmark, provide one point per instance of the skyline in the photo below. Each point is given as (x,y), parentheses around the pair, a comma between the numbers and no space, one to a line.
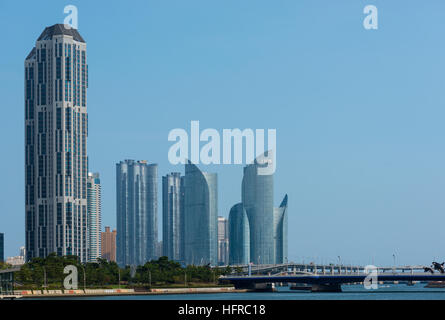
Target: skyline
(362,133)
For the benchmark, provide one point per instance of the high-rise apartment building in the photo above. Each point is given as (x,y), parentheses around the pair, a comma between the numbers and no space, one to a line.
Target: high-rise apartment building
(22,251)
(257,198)
(173,216)
(239,236)
(2,247)
(137,207)
(280,231)
(56,129)
(201,213)
(94,209)
(267,225)
(108,244)
(223,241)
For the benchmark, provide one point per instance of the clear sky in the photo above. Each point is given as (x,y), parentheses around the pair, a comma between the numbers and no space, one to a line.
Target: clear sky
(359,113)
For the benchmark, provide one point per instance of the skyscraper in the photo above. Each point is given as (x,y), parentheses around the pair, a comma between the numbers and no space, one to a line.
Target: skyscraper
(201,213)
(23,252)
(137,207)
(94,216)
(173,216)
(56,161)
(2,247)
(280,232)
(223,241)
(267,225)
(239,236)
(108,244)
(257,198)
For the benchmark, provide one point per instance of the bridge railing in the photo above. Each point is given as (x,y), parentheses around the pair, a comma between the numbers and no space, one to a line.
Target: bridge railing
(300,268)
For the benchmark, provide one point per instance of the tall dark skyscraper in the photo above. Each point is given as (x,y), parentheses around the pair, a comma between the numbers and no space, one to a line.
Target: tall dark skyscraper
(173,216)
(56,129)
(137,207)
(201,214)
(267,225)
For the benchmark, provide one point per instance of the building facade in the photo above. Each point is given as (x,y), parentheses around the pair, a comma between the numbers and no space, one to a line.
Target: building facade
(2,247)
(173,216)
(239,236)
(137,205)
(280,232)
(108,244)
(201,214)
(257,198)
(94,209)
(56,130)
(257,230)
(223,241)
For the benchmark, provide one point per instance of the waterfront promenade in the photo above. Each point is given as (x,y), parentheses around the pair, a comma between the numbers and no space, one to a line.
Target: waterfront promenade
(17,294)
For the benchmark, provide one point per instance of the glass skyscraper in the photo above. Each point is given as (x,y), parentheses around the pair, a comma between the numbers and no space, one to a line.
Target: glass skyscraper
(201,214)
(2,247)
(136,204)
(94,216)
(280,231)
(257,198)
(173,216)
(239,236)
(255,226)
(56,129)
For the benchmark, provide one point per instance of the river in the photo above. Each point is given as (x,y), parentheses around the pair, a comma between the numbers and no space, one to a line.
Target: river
(350,292)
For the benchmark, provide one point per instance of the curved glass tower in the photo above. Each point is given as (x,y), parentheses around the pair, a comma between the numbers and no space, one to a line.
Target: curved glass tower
(280,229)
(239,236)
(201,216)
(257,198)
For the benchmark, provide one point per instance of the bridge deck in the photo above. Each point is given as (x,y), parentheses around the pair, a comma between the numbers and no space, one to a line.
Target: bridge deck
(334,278)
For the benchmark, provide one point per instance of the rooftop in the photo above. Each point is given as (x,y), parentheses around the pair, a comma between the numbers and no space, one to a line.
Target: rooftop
(59,29)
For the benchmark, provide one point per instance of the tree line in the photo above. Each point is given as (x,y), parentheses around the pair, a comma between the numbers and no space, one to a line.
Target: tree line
(41,272)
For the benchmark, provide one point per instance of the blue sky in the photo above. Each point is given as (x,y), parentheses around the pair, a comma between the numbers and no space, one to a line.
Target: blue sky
(359,113)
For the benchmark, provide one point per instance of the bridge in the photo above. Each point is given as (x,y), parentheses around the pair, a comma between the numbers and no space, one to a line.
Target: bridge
(292,267)
(323,277)
(7,283)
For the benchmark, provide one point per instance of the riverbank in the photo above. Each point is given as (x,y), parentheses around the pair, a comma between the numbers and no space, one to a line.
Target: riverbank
(120,292)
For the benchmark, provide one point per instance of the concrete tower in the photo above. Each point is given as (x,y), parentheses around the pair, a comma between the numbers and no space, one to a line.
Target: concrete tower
(56,130)
(94,216)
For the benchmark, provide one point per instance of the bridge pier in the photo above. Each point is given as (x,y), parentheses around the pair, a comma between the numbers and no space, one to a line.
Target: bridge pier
(328,287)
(263,287)
(259,287)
